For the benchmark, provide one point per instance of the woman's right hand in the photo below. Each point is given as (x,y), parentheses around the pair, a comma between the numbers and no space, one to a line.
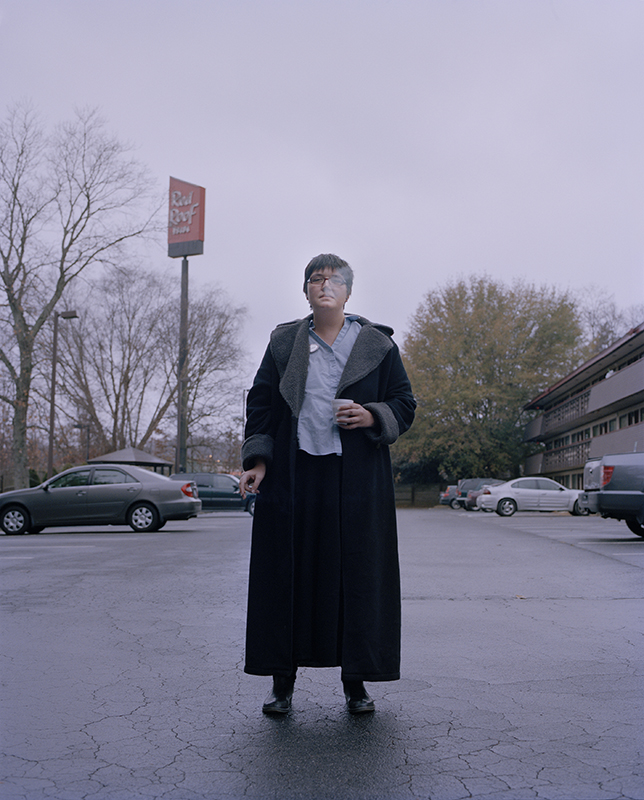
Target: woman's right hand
(251,478)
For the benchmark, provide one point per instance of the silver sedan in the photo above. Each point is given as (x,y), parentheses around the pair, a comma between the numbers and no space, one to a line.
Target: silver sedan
(105,494)
(530,494)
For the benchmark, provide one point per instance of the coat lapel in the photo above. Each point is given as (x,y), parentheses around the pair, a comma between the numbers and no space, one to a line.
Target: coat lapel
(371,346)
(290,349)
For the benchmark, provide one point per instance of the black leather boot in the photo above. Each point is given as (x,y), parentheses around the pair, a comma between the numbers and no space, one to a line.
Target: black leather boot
(279,700)
(358,700)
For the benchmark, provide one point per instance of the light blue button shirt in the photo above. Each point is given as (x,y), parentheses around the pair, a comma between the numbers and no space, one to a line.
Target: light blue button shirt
(317,432)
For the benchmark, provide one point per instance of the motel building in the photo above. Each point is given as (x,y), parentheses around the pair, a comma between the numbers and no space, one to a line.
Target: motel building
(596,410)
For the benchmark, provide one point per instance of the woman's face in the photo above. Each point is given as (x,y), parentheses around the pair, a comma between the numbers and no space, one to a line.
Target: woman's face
(330,293)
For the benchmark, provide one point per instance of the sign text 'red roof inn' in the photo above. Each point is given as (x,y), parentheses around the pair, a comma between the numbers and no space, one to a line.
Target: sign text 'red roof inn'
(186,216)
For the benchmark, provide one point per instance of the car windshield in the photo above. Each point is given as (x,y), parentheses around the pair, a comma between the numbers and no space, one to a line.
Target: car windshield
(225,483)
(147,475)
(551,486)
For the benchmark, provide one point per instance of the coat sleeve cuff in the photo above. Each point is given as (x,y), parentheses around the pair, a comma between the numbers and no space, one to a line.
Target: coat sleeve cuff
(386,430)
(259,445)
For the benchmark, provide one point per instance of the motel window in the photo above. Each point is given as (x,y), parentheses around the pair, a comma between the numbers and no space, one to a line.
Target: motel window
(632,418)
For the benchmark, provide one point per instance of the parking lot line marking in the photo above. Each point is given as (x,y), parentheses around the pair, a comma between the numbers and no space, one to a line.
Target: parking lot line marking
(55,546)
(6,558)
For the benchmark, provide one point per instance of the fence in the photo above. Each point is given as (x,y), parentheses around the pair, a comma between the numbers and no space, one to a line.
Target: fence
(415,495)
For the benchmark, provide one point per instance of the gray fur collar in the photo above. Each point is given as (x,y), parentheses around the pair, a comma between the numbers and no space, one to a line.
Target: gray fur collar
(290,350)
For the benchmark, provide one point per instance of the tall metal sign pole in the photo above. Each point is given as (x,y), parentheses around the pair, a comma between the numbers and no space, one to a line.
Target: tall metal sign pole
(186,217)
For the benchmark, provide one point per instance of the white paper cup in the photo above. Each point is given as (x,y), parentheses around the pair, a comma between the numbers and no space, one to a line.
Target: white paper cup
(340,401)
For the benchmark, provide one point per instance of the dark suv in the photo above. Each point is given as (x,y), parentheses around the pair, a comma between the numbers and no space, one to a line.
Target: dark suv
(218,491)
(614,488)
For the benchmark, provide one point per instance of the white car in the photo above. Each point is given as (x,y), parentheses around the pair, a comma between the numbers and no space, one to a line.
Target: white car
(530,494)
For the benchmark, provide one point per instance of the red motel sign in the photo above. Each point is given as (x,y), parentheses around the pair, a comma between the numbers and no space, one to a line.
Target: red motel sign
(186,219)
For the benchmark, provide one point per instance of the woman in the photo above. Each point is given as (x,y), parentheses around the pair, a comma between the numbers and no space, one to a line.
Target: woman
(324,587)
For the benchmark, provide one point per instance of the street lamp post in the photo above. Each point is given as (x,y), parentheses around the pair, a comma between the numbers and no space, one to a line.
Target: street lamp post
(52,406)
(84,427)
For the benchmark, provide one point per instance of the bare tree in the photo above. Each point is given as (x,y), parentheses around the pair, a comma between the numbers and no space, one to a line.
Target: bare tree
(118,362)
(602,321)
(68,199)
(216,361)
(112,360)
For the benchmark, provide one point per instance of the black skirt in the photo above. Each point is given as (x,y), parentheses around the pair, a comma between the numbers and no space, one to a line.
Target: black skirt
(317,561)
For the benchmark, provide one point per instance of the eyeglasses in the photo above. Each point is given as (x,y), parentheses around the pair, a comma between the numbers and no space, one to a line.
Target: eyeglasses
(334,280)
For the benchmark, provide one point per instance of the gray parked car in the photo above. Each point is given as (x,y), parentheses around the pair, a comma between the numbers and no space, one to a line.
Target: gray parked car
(105,494)
(218,491)
(614,488)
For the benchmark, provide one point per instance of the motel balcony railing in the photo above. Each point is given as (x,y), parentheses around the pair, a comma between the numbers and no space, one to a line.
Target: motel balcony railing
(567,412)
(572,456)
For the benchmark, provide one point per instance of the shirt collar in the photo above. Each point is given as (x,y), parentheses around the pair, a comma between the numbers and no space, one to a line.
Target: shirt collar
(348,320)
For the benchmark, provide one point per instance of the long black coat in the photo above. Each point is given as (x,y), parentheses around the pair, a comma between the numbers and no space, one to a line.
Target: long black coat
(374,376)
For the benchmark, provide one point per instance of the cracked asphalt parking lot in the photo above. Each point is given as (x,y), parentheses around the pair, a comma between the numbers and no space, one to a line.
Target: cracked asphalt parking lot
(522,669)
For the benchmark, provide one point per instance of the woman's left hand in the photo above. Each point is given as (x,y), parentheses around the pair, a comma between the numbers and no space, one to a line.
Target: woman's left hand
(353,415)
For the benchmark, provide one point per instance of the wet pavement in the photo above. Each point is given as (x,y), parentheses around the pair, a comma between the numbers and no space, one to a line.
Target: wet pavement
(522,669)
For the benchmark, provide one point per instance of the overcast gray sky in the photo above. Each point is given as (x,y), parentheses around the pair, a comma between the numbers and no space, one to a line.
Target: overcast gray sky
(421,140)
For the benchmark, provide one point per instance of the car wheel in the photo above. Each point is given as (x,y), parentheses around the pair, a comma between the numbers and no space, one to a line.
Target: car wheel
(633,525)
(15,520)
(578,511)
(143,518)
(453,503)
(506,507)
(251,506)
